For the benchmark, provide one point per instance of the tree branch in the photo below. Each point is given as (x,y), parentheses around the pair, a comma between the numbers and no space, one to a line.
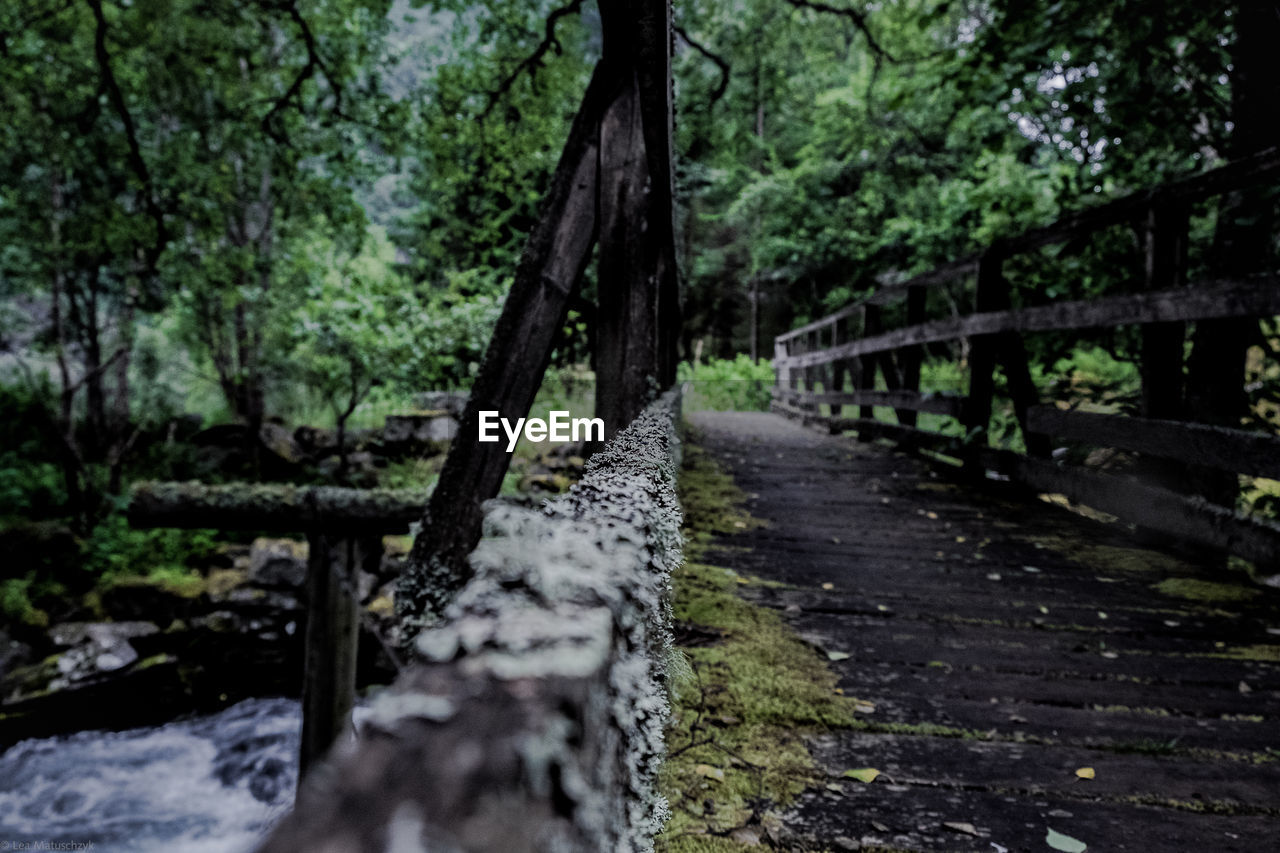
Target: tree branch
(533,61)
(720,62)
(859,20)
(314,62)
(137,162)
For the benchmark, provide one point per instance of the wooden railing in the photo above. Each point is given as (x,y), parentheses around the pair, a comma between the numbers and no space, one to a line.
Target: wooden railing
(835,360)
(530,717)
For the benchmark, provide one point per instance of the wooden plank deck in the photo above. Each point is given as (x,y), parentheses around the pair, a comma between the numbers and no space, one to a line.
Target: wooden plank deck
(1005,643)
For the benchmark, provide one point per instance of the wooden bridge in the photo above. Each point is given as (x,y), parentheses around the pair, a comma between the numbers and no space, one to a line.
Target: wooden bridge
(1026,675)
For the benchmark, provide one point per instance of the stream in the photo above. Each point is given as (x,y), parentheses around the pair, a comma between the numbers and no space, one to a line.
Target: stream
(210,784)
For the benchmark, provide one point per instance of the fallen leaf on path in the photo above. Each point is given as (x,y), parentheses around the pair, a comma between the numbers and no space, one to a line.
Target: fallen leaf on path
(863,774)
(709,772)
(1085,773)
(879,827)
(828,586)
(862,707)
(1065,843)
(837,655)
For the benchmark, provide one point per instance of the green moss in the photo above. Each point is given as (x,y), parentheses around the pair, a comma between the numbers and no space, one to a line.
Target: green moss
(1261,652)
(1198,590)
(1112,559)
(736,745)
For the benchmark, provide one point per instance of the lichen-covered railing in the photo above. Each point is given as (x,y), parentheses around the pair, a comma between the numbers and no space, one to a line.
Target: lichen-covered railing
(532,720)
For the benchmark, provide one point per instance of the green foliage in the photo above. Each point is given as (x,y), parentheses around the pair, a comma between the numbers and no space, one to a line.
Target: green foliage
(16,604)
(737,384)
(114,549)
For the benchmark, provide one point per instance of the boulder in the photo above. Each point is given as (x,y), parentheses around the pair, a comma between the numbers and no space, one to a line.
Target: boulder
(424,429)
(278,563)
(451,402)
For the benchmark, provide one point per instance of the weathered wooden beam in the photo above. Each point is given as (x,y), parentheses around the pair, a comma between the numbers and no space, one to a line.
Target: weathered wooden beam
(531,719)
(1187,518)
(991,295)
(1252,298)
(546,278)
(275,507)
(911,357)
(1261,168)
(869,429)
(1220,447)
(906,437)
(331,638)
(937,403)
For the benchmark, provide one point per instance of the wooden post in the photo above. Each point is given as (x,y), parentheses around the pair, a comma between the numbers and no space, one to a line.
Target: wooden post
(840,367)
(332,632)
(912,356)
(982,355)
(1161,360)
(781,372)
(811,372)
(547,276)
(638,294)
(871,325)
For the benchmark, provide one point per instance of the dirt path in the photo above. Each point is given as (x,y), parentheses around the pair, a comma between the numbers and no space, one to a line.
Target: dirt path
(1001,646)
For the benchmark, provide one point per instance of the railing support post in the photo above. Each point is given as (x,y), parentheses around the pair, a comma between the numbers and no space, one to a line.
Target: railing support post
(912,356)
(1161,359)
(871,325)
(332,631)
(982,354)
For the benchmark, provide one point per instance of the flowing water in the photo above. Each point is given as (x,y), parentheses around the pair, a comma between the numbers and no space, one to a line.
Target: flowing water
(212,784)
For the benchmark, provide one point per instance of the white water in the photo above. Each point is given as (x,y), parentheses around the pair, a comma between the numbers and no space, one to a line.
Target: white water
(213,784)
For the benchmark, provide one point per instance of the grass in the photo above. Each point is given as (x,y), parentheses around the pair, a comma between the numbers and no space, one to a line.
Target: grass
(736,746)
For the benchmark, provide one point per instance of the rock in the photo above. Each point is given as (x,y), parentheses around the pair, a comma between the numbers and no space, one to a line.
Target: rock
(280,563)
(280,441)
(132,599)
(317,442)
(451,402)
(13,654)
(427,431)
(104,633)
(94,648)
(220,582)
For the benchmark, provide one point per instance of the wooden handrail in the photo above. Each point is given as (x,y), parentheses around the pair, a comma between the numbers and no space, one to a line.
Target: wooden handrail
(1219,299)
(1175,451)
(1236,175)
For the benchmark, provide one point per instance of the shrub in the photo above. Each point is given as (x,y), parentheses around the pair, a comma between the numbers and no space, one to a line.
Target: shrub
(728,385)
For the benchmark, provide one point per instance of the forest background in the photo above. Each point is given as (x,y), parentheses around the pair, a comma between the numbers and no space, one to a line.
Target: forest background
(278,213)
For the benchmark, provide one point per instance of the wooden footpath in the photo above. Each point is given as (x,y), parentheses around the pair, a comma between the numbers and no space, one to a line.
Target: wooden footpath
(1004,650)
